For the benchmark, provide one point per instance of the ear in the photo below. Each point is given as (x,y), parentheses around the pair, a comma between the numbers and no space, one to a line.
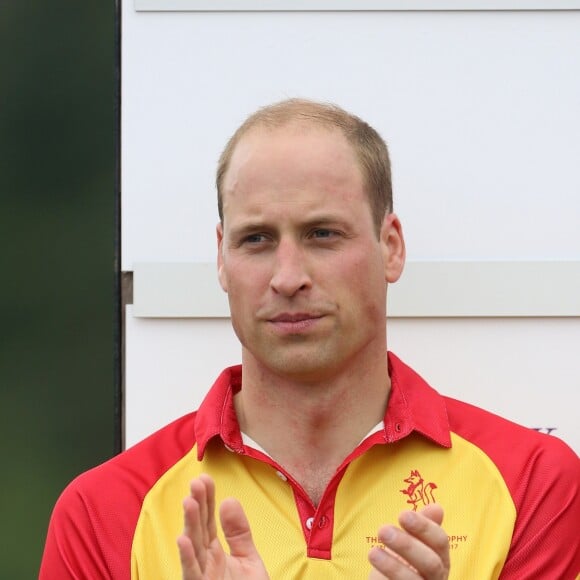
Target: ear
(220,257)
(393,247)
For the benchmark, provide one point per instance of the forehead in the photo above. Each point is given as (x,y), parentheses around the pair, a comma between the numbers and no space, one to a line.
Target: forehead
(291,153)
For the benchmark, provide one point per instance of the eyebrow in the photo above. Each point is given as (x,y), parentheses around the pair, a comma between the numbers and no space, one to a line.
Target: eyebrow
(313,221)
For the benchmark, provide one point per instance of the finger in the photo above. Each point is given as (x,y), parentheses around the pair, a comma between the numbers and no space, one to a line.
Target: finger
(434,512)
(422,545)
(203,491)
(388,564)
(426,527)
(189,565)
(210,492)
(237,531)
(199,517)
(193,530)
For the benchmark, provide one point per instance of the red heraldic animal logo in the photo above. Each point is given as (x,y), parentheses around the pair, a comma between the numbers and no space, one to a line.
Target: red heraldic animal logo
(420,493)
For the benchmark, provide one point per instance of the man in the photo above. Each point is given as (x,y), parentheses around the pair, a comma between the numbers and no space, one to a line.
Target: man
(323,439)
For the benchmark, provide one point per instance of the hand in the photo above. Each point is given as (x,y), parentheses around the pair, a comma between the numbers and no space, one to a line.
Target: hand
(202,556)
(419,550)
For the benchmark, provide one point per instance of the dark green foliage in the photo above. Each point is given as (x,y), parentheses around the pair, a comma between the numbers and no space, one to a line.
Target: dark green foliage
(56,233)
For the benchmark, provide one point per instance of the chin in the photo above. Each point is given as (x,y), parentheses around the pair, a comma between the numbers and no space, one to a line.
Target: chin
(302,368)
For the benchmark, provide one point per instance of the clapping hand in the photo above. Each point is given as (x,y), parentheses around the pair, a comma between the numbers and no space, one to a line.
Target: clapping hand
(419,549)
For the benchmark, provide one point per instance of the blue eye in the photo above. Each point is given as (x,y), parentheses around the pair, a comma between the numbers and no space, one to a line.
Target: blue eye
(255,238)
(323,233)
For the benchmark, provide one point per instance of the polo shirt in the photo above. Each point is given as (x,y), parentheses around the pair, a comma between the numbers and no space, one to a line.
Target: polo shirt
(510,494)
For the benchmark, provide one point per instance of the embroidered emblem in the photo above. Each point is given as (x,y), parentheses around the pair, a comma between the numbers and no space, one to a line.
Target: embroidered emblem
(420,493)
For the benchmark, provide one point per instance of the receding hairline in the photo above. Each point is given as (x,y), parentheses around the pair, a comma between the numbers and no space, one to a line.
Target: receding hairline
(291,126)
(297,109)
(360,136)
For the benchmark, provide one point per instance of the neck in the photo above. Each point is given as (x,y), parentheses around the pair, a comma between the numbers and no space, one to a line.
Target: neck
(310,427)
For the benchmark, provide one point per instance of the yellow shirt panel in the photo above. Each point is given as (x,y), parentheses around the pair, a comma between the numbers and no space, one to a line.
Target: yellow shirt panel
(479,512)
(387,479)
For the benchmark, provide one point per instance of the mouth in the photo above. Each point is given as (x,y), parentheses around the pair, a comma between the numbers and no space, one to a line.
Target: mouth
(295,317)
(294,322)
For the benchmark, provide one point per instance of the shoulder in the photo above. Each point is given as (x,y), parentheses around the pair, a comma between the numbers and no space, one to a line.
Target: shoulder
(506,442)
(519,453)
(542,475)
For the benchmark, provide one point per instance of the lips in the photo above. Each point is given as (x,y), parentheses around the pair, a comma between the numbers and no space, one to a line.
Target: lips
(295,317)
(293,323)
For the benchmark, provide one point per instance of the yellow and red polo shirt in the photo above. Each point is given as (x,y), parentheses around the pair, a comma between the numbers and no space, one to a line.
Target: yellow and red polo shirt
(510,495)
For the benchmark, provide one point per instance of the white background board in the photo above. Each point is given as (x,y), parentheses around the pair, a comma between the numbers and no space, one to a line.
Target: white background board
(481,113)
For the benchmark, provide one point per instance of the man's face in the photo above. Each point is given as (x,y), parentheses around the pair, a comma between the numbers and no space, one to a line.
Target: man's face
(299,256)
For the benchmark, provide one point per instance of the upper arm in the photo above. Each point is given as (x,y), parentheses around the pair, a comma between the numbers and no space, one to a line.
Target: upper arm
(546,540)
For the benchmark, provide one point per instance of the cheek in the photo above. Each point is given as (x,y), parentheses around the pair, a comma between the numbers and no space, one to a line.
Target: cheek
(242,307)
(245,285)
(368,286)
(368,267)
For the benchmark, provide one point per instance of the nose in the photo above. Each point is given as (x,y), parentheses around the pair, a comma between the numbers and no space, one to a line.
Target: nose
(290,274)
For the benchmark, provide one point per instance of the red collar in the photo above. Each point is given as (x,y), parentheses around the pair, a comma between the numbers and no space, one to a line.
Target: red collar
(413,407)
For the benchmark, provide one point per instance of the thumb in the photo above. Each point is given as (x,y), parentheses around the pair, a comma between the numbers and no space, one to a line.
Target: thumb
(434,512)
(236,530)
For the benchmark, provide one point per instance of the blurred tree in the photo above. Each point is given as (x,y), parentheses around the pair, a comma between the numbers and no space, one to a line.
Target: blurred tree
(57,234)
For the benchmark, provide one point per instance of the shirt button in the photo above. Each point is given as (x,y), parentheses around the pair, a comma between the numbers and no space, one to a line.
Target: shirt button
(281,475)
(323,522)
(309,523)
(398,427)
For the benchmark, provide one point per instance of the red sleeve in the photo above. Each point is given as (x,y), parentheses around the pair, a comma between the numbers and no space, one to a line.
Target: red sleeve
(61,548)
(543,477)
(88,538)
(546,540)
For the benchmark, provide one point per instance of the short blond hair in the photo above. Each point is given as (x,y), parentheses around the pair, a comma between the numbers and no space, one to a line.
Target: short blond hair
(369,147)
